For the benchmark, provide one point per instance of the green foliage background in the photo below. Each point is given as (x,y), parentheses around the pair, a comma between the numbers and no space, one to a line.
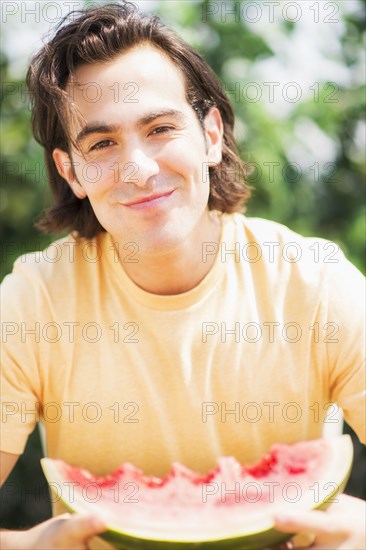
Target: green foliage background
(329,204)
(326,200)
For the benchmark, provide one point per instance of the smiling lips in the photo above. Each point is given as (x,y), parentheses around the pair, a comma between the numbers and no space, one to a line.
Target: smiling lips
(150,199)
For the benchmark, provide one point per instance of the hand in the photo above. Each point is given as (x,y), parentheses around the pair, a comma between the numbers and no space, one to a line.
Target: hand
(341,527)
(71,532)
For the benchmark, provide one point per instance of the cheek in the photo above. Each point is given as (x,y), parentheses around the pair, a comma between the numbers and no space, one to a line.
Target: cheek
(185,158)
(96,177)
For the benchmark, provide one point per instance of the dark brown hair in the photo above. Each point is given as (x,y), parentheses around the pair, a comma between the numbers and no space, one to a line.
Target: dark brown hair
(99,34)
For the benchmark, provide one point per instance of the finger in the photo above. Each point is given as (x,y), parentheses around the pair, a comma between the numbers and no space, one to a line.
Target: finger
(307,522)
(303,540)
(286,545)
(82,527)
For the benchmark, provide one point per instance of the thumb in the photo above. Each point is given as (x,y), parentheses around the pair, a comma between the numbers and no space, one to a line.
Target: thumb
(83,527)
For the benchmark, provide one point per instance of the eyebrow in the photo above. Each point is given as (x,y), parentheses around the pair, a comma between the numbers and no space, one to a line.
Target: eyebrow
(102,128)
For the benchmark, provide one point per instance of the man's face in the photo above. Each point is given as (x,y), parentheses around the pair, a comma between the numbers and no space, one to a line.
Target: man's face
(145,157)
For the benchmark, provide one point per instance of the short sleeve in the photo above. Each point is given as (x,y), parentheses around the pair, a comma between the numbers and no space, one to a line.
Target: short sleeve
(344,335)
(20,340)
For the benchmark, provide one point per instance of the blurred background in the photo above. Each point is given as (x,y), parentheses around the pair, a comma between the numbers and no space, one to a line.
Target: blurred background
(295,73)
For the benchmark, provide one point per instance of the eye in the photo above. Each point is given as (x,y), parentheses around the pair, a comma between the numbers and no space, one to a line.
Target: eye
(103,144)
(161,130)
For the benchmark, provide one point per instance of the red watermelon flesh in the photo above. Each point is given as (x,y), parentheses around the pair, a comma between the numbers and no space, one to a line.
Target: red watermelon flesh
(219,502)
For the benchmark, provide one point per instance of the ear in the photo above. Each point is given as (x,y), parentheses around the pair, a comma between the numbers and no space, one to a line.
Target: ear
(66,171)
(214,131)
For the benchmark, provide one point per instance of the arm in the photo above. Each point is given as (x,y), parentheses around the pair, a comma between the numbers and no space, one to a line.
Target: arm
(7,463)
(343,525)
(346,352)
(66,531)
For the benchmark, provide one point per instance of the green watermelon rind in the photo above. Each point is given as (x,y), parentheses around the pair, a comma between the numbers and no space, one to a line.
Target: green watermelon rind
(257,540)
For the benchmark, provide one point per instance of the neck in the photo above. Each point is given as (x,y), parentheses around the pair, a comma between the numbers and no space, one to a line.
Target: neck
(180,269)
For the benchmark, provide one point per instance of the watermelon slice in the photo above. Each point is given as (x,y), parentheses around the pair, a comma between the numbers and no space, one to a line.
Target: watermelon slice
(230,507)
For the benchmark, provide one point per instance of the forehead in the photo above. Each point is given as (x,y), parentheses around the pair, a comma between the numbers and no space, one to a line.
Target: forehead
(128,86)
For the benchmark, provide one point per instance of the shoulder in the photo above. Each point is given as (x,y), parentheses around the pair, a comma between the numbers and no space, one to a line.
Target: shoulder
(261,230)
(55,272)
(270,236)
(286,255)
(63,255)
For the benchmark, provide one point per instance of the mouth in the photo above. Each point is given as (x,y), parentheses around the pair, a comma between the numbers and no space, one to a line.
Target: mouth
(149,200)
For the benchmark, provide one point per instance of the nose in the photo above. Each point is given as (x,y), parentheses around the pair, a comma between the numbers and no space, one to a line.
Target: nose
(139,167)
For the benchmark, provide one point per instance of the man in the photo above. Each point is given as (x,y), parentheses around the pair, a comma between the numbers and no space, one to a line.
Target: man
(139,323)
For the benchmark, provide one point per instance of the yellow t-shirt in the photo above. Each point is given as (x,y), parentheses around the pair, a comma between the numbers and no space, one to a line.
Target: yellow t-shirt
(249,357)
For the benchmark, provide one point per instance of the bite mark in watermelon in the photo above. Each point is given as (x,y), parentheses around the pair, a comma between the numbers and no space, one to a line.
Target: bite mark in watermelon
(230,507)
